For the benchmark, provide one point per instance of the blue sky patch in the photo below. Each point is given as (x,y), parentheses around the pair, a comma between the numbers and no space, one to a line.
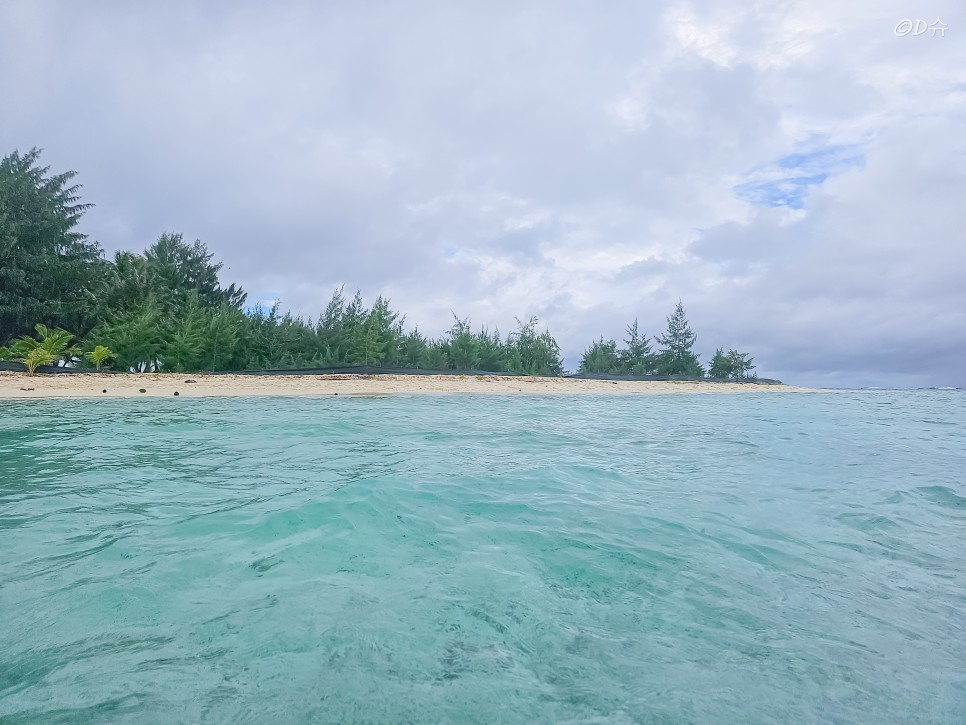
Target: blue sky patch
(263,304)
(786,182)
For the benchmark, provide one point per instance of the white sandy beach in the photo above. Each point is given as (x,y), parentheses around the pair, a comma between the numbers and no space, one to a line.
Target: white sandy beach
(78,385)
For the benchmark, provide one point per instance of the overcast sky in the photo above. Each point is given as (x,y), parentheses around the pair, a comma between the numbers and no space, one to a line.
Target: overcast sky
(795,172)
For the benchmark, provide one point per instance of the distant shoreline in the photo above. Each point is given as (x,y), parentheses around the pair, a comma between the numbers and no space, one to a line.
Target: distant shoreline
(92,385)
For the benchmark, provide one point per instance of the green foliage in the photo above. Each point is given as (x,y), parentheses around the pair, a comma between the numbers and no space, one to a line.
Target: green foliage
(413,350)
(732,365)
(350,333)
(99,355)
(176,270)
(165,309)
(48,271)
(491,351)
(741,364)
(129,283)
(48,348)
(195,338)
(135,336)
(676,356)
(532,353)
(601,358)
(55,345)
(59,343)
(464,346)
(35,358)
(172,273)
(720,365)
(224,342)
(378,333)
(604,358)
(437,357)
(636,358)
(182,338)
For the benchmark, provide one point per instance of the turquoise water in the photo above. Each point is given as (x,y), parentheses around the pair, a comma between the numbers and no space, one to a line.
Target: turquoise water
(662,559)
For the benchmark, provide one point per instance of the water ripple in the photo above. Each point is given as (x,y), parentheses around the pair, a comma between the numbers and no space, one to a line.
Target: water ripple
(732,559)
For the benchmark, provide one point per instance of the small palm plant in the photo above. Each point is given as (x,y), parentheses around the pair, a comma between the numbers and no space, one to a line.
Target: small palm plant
(35,358)
(52,347)
(57,343)
(99,355)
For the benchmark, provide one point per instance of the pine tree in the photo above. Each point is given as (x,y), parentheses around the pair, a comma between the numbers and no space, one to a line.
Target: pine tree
(741,364)
(463,346)
(177,269)
(413,350)
(676,356)
(601,358)
(49,272)
(531,353)
(730,365)
(636,358)
(720,365)
(490,351)
(136,337)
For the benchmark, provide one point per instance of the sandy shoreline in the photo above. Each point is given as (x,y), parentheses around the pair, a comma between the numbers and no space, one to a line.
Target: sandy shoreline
(18,385)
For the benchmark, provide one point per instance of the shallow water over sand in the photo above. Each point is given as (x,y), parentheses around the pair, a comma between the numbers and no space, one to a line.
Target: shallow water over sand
(779,558)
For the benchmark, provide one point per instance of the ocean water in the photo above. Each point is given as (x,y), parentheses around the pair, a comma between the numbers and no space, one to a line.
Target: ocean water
(775,558)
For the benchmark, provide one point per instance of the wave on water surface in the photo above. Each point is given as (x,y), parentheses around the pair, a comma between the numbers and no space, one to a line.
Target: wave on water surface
(479,559)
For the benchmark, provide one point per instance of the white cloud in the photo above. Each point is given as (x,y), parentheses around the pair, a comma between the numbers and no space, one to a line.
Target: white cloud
(793,171)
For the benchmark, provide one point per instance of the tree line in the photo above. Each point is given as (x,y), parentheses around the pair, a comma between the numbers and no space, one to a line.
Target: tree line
(675,356)
(166,309)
